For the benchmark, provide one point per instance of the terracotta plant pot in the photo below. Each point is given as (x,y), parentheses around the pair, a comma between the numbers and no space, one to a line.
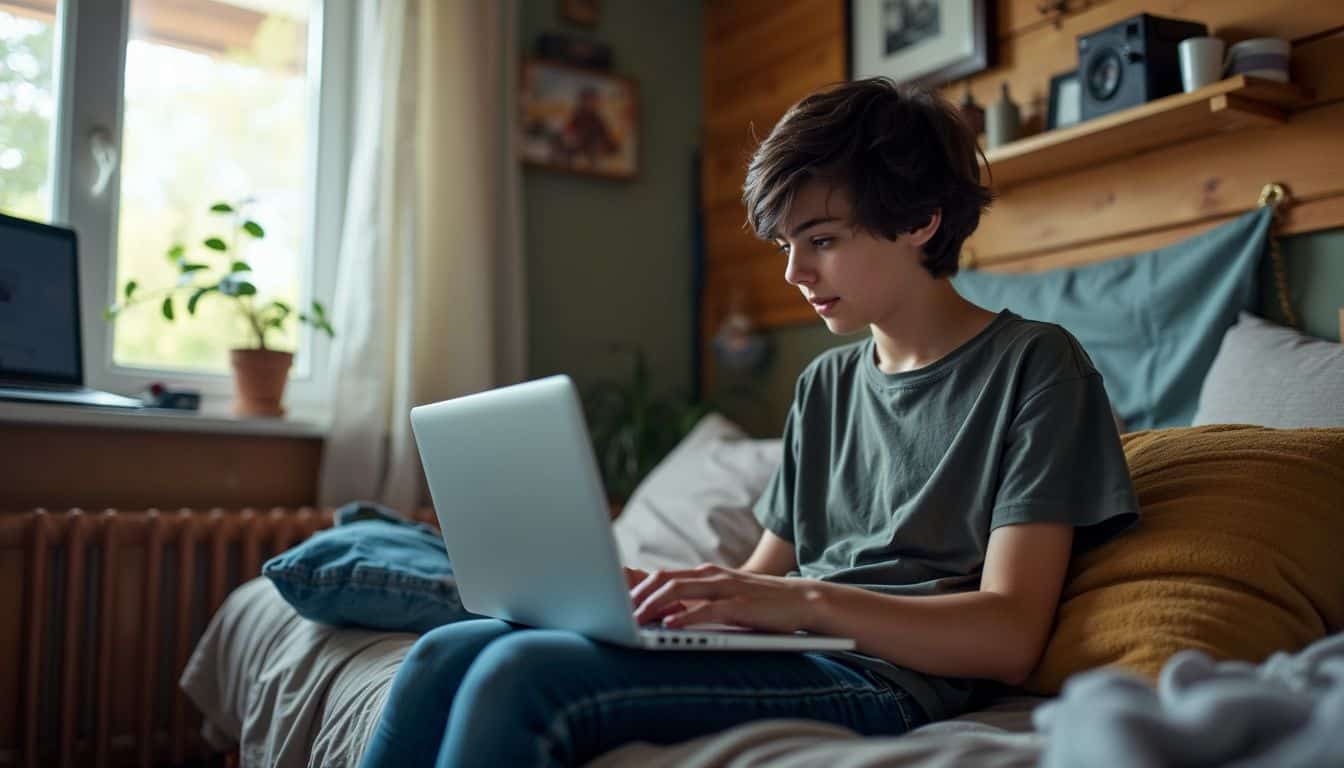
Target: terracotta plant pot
(259,377)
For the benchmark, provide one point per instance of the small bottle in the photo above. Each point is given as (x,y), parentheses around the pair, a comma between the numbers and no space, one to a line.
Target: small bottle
(1002,120)
(972,113)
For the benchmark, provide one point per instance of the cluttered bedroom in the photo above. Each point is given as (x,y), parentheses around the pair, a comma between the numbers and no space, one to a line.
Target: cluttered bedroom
(713,383)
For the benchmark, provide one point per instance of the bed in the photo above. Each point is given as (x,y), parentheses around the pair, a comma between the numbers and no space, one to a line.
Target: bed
(288,692)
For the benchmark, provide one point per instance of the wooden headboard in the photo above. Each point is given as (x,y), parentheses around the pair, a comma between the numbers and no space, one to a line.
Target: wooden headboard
(1179,167)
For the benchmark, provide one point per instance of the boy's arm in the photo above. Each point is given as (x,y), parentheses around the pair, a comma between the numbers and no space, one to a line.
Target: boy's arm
(998,632)
(773,556)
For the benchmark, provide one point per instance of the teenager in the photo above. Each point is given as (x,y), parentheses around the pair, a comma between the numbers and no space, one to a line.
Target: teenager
(936,477)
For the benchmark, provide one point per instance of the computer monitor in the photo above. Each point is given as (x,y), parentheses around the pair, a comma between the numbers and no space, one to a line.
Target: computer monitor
(39,304)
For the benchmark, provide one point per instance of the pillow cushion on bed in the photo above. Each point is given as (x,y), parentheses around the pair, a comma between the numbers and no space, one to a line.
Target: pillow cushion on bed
(1236,554)
(373,569)
(1151,322)
(695,506)
(1273,376)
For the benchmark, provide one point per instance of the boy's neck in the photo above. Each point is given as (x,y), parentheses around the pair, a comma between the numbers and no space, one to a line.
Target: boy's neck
(925,330)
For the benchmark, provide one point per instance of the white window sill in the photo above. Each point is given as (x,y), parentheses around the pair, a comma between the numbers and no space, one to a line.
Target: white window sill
(214,417)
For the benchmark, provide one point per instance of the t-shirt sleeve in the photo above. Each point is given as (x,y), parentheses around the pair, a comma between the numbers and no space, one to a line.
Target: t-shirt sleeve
(774,510)
(1063,463)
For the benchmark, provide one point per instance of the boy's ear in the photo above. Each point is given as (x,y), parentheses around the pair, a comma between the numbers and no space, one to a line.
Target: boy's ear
(922,235)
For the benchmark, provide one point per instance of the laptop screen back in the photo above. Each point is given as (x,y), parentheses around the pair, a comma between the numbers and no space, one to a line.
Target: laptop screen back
(39,303)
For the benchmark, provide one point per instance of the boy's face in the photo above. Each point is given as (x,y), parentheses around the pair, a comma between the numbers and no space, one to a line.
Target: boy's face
(852,279)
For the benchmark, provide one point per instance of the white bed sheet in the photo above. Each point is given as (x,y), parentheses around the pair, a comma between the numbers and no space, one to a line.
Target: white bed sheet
(286,691)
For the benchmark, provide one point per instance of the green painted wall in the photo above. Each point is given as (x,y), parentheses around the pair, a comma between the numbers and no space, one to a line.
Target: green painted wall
(609,262)
(1315,264)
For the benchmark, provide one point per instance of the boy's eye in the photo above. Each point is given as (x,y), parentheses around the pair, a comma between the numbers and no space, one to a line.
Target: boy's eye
(783,248)
(822,242)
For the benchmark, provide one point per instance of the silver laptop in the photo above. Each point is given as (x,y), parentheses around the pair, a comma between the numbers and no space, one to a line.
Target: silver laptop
(40,355)
(525,520)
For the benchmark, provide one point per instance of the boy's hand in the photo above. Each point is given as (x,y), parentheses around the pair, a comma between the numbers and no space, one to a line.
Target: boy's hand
(633,576)
(712,593)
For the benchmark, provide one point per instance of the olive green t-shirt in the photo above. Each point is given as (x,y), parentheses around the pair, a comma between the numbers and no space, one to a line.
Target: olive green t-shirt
(893,482)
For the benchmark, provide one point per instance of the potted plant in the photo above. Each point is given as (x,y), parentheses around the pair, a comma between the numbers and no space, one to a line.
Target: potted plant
(632,429)
(259,372)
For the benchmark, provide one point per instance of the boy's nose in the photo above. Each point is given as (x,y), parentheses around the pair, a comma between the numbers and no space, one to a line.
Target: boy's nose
(795,273)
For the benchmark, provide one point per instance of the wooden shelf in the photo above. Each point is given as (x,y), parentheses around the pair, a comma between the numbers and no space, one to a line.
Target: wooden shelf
(1232,104)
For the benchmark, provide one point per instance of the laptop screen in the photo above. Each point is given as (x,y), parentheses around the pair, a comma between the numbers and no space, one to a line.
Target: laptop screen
(39,303)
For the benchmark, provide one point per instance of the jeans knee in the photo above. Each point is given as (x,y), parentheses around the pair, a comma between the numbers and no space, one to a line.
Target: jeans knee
(514,667)
(442,655)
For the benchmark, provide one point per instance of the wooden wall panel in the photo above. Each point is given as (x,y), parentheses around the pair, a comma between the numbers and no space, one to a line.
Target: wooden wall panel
(1304,217)
(768,38)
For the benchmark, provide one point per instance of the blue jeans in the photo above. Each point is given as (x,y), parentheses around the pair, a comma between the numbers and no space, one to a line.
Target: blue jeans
(491,693)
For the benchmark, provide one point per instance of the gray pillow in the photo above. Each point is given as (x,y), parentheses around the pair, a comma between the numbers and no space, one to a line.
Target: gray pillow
(1272,376)
(695,506)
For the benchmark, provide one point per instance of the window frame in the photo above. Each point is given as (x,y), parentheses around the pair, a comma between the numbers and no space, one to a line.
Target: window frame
(91,74)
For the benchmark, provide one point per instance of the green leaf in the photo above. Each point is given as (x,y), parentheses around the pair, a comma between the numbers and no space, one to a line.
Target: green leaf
(176,252)
(188,267)
(196,297)
(111,312)
(168,307)
(282,306)
(221,208)
(318,309)
(245,288)
(254,229)
(240,266)
(216,244)
(130,289)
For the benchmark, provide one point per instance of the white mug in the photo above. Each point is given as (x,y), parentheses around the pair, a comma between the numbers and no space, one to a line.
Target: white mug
(1201,62)
(1265,57)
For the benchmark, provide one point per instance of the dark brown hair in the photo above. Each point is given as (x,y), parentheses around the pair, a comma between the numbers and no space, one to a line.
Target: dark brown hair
(901,154)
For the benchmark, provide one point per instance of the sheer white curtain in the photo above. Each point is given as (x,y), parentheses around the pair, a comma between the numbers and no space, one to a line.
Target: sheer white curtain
(429,299)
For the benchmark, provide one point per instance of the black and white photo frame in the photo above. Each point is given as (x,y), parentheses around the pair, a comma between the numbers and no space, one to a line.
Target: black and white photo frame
(921,42)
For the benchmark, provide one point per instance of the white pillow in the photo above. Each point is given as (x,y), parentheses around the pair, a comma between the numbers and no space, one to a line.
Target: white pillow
(695,506)
(1273,376)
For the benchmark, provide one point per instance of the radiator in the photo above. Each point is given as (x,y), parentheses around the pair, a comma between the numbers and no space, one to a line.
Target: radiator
(100,610)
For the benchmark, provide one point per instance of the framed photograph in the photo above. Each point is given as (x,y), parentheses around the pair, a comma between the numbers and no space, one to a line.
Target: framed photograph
(923,42)
(1065,107)
(586,12)
(580,120)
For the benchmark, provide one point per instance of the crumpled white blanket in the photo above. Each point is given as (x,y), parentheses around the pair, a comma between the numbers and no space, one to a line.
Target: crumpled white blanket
(1284,713)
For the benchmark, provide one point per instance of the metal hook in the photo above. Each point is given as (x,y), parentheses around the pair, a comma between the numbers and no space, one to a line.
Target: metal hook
(1273,195)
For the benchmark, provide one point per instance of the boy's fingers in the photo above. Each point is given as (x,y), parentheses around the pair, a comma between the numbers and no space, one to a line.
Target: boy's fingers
(707,611)
(694,589)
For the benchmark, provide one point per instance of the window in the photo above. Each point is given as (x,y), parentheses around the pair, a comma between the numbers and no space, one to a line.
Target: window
(165,108)
(27,107)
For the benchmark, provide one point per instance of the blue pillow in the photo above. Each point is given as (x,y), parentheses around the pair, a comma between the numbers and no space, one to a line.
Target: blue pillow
(372,569)
(1151,322)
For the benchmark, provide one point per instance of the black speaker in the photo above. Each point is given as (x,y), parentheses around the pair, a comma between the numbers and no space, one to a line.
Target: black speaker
(1131,62)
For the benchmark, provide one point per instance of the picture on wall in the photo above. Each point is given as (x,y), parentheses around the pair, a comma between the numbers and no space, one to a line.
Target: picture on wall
(579,120)
(586,12)
(924,42)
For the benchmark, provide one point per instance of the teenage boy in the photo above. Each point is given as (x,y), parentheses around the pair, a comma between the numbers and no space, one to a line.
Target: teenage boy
(936,477)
